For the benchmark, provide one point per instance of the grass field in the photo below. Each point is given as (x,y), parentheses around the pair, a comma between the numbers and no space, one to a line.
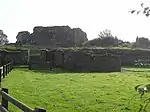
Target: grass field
(76,92)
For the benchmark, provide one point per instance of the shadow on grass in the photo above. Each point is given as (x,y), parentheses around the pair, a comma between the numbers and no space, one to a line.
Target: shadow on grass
(50,71)
(54,71)
(59,71)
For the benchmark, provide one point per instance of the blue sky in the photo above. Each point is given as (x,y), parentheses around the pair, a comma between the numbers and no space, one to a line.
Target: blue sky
(92,16)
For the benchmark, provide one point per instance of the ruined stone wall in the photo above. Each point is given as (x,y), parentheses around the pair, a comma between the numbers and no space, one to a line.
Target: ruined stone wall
(39,66)
(142,42)
(55,36)
(77,61)
(127,56)
(19,57)
(93,60)
(82,62)
(79,36)
(22,36)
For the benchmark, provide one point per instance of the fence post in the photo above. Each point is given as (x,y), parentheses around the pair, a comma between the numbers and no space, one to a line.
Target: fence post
(5,102)
(6,69)
(0,78)
(11,65)
(39,110)
(0,75)
(3,71)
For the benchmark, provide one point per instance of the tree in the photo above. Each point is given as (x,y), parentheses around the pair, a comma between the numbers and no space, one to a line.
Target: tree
(3,38)
(105,33)
(142,42)
(144,10)
(107,39)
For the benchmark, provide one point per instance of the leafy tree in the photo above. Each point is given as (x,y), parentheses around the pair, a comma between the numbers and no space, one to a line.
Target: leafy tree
(144,10)
(107,39)
(105,33)
(144,42)
(3,38)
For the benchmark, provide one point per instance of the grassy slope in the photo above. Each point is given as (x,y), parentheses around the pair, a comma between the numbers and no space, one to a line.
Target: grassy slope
(75,92)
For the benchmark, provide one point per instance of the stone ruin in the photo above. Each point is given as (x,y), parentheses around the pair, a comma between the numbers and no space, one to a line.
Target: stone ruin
(54,36)
(19,57)
(22,37)
(142,42)
(77,61)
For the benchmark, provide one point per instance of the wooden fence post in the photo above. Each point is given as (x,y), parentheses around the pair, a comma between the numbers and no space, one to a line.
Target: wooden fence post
(0,78)
(3,71)
(5,102)
(6,69)
(0,75)
(39,110)
(11,65)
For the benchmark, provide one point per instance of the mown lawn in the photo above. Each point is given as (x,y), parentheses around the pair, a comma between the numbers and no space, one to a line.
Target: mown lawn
(76,92)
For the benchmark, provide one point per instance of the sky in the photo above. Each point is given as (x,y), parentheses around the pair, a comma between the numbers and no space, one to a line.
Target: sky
(92,16)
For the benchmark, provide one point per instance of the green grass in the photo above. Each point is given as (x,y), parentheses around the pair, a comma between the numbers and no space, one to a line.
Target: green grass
(76,92)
